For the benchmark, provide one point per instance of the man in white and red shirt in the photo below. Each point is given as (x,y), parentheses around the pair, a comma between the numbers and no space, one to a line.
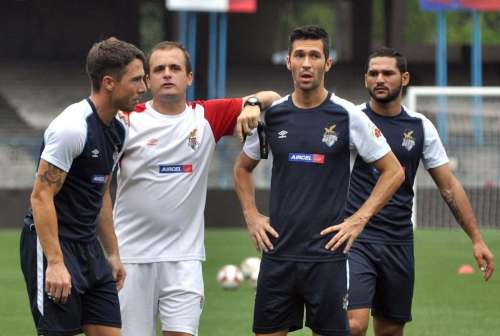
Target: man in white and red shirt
(162,186)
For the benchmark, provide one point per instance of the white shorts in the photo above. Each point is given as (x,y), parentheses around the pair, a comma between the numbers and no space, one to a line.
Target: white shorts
(171,290)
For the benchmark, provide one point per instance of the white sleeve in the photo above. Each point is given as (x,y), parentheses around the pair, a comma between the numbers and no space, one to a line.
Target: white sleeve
(434,154)
(252,146)
(365,137)
(63,143)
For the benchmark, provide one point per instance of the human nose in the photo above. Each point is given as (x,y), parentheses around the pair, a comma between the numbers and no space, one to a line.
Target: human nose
(142,87)
(307,62)
(167,73)
(380,78)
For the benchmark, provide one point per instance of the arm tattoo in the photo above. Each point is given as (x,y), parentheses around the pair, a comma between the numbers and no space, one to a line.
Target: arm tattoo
(53,176)
(452,204)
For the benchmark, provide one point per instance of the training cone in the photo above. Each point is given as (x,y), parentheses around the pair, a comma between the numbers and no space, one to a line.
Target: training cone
(465,269)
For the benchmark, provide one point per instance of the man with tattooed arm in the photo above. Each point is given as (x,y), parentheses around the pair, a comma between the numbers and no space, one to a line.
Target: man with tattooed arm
(381,260)
(72,285)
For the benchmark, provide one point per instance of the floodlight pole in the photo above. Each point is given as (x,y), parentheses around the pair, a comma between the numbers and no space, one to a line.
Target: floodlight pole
(442,75)
(221,77)
(182,27)
(477,75)
(191,47)
(212,56)
(187,37)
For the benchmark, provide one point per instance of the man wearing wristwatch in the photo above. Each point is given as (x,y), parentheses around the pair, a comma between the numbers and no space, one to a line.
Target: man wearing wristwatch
(162,186)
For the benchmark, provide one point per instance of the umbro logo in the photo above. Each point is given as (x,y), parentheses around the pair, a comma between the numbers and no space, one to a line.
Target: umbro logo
(282,134)
(95,153)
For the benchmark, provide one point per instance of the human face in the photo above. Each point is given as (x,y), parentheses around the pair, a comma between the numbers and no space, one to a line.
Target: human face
(384,81)
(308,65)
(126,92)
(168,78)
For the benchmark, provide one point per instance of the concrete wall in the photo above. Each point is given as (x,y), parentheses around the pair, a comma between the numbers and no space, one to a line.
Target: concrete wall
(223,209)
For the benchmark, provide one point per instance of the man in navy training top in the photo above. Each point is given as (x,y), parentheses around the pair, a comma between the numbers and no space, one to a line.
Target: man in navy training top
(72,285)
(381,260)
(313,135)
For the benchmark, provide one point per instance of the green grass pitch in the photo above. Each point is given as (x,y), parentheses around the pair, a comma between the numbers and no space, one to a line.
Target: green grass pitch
(444,303)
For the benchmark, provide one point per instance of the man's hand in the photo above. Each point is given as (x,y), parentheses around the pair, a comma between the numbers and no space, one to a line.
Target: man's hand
(57,282)
(247,121)
(259,227)
(347,232)
(484,259)
(117,270)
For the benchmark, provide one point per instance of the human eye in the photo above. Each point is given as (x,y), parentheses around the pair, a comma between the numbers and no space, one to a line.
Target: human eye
(388,73)
(175,67)
(315,55)
(299,54)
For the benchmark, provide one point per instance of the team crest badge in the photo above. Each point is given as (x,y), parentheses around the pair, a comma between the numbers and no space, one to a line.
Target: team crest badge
(408,140)
(193,140)
(330,136)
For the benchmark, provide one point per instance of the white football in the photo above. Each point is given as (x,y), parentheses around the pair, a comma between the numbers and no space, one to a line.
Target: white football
(253,278)
(249,266)
(229,277)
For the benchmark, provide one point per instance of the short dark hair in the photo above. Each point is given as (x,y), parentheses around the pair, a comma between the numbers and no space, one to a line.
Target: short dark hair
(167,45)
(401,62)
(110,58)
(310,32)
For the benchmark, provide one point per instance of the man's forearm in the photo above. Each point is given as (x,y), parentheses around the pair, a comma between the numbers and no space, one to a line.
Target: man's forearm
(105,226)
(243,183)
(459,204)
(390,179)
(45,218)
(386,186)
(267,98)
(245,189)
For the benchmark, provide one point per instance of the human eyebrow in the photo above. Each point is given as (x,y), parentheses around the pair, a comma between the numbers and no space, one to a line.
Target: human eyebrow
(388,72)
(299,53)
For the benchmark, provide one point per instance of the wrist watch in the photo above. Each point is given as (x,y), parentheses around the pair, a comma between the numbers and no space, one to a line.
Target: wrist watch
(253,101)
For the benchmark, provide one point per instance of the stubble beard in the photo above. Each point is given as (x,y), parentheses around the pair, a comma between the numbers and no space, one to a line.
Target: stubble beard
(391,96)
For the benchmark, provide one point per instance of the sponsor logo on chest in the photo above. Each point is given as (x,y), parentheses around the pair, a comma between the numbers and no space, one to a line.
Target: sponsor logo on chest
(98,179)
(176,169)
(306,158)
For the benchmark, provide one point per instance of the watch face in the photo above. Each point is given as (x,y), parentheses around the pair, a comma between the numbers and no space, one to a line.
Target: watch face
(252,101)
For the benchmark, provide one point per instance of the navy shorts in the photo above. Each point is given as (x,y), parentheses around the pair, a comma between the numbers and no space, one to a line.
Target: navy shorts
(382,278)
(284,288)
(93,298)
